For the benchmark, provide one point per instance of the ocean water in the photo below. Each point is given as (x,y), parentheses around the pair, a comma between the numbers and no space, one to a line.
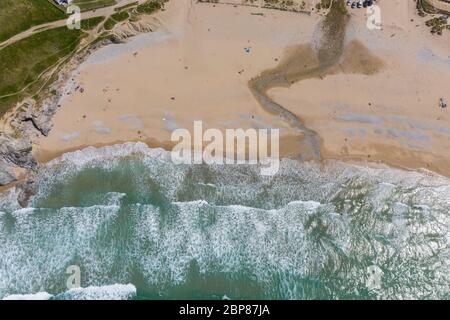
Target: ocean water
(139,227)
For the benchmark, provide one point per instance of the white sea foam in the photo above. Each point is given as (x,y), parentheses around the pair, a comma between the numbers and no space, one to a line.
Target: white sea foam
(24,211)
(333,169)
(282,228)
(84,156)
(44,242)
(8,200)
(231,239)
(32,296)
(111,199)
(108,292)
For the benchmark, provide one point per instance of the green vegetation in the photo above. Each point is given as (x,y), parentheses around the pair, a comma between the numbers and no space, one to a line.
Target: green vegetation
(30,65)
(115,18)
(339,6)
(86,5)
(438,24)
(323,4)
(17,16)
(127,6)
(149,7)
(285,5)
(23,62)
(89,24)
(424,8)
(110,23)
(120,16)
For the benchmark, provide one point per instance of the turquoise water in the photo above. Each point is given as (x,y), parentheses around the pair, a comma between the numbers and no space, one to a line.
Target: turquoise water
(128,217)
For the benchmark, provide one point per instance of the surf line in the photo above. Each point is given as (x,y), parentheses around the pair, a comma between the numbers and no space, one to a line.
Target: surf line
(327,53)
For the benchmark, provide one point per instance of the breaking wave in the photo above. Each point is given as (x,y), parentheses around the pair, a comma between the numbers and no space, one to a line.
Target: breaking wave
(126,214)
(111,292)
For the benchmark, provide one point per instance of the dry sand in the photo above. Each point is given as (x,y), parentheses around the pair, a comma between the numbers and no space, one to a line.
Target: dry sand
(390,111)
(379,104)
(195,67)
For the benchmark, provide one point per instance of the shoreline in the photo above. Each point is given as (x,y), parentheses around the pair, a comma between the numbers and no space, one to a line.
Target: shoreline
(252,116)
(46,157)
(136,177)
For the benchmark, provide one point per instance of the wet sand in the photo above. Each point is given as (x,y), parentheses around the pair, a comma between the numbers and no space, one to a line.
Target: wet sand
(196,67)
(353,94)
(380,103)
(303,62)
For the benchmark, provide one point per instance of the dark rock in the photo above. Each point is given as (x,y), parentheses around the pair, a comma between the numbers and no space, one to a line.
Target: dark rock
(25,190)
(41,121)
(17,152)
(6,174)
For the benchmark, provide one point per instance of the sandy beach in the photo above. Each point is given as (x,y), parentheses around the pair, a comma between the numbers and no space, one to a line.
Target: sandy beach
(391,115)
(376,105)
(98,208)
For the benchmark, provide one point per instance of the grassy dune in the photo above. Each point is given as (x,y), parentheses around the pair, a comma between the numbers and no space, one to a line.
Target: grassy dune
(23,62)
(19,15)
(90,24)
(149,7)
(86,5)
